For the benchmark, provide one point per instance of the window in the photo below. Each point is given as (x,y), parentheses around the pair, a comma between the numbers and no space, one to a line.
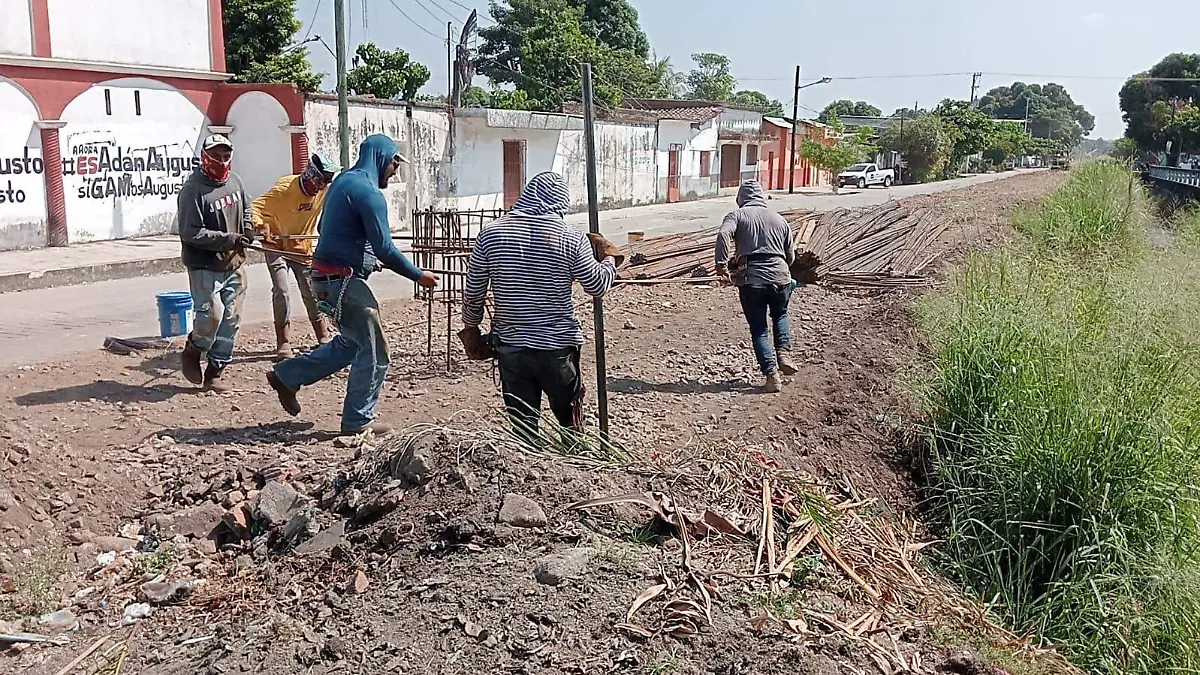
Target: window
(705,164)
(137,102)
(107,101)
(751,155)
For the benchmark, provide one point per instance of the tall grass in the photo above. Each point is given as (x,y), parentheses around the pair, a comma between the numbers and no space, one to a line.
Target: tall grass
(1065,430)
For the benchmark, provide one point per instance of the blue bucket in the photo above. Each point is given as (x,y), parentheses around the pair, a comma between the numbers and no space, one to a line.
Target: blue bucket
(174,313)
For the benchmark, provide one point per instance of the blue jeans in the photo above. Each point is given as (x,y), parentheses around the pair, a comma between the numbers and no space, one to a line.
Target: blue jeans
(360,345)
(217,305)
(757,303)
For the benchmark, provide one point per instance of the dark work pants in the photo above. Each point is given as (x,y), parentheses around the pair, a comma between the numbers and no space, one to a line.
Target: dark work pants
(526,374)
(759,302)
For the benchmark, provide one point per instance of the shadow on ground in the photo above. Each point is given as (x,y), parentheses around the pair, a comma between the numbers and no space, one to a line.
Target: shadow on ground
(288,432)
(105,390)
(627,385)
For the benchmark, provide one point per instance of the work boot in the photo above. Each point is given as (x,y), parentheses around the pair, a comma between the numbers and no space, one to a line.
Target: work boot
(773,383)
(287,397)
(321,330)
(283,341)
(786,365)
(213,380)
(191,362)
(376,429)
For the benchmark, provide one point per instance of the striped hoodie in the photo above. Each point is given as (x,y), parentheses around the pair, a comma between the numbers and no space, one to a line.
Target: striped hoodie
(531,258)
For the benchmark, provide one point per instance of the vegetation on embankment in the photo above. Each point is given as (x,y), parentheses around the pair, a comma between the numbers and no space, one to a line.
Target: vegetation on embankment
(1064,428)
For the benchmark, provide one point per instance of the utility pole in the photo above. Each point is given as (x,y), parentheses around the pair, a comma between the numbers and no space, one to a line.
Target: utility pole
(975,85)
(449,65)
(339,28)
(589,138)
(795,128)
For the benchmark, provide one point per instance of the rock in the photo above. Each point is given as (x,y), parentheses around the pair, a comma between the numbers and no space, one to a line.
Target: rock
(7,500)
(324,541)
(556,568)
(157,592)
(114,544)
(521,511)
(197,521)
(360,583)
(415,464)
(237,519)
(234,498)
(135,612)
(206,547)
(629,325)
(301,526)
(276,503)
(380,506)
(964,661)
(62,620)
(81,537)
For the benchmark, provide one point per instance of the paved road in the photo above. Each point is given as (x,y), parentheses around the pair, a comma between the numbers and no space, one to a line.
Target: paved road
(54,323)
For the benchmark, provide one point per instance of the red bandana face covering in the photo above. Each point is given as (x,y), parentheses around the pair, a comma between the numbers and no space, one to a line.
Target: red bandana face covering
(215,168)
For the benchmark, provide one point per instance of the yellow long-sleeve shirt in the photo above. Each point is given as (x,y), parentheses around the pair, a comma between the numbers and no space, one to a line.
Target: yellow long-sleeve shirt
(286,210)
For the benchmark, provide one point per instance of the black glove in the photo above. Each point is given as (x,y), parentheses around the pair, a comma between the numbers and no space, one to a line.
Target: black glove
(246,240)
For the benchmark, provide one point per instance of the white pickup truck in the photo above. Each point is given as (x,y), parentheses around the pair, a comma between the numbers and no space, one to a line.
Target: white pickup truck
(865,175)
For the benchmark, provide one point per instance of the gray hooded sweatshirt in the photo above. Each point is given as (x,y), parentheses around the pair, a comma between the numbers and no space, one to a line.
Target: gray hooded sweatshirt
(759,235)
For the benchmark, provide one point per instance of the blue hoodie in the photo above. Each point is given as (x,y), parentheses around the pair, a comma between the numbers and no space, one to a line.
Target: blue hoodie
(354,222)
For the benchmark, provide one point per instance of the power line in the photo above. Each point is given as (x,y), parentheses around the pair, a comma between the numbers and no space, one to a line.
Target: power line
(428,11)
(447,12)
(312,21)
(414,22)
(479,12)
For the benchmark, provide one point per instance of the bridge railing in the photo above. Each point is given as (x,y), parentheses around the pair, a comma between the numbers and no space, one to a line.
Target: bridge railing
(1173,174)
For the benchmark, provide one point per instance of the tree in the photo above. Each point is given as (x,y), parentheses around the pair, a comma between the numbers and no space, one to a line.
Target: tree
(1140,93)
(758,101)
(710,80)
(614,23)
(848,108)
(1125,149)
(909,113)
(924,142)
(970,132)
(257,38)
(1008,141)
(475,97)
(536,47)
(668,82)
(1052,112)
(385,74)
(835,158)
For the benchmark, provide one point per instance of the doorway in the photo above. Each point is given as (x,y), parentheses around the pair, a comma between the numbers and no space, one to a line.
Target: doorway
(673,173)
(731,165)
(514,171)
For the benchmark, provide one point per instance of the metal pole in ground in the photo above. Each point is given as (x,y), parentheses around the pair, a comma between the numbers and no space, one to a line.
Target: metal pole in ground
(795,125)
(589,135)
(339,28)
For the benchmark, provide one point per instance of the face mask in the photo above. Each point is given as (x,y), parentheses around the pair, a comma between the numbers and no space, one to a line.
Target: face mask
(214,168)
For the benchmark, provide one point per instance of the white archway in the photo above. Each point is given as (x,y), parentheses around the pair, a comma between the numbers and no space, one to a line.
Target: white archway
(262,145)
(127,147)
(22,183)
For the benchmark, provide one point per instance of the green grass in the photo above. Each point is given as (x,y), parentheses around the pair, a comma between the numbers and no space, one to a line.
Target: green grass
(1064,430)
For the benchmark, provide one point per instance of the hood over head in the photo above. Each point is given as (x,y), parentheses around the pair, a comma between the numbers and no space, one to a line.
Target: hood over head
(545,194)
(375,154)
(751,194)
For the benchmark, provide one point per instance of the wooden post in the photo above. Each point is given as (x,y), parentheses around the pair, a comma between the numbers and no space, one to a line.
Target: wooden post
(589,135)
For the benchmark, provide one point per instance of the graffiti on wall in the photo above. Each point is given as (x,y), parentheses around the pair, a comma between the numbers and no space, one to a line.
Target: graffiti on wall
(107,170)
(26,164)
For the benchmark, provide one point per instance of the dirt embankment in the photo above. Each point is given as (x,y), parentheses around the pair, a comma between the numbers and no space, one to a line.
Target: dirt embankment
(473,563)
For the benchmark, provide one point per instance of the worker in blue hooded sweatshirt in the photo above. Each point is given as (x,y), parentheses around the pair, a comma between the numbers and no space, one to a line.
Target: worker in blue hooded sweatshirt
(355,240)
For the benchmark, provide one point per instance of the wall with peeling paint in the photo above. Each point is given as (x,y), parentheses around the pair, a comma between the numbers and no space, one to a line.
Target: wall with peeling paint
(425,148)
(22,184)
(690,141)
(625,158)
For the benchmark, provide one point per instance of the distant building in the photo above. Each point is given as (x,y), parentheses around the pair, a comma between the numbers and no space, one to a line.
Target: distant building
(103,105)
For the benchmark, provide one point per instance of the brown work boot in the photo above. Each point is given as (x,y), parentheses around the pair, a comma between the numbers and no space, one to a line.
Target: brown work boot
(773,383)
(191,362)
(283,341)
(214,382)
(786,365)
(287,397)
(376,429)
(321,330)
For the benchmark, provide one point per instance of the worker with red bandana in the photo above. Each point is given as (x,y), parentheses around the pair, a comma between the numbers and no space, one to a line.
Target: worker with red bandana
(215,228)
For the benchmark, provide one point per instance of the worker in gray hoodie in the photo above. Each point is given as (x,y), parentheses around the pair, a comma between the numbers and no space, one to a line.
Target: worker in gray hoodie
(755,250)
(215,228)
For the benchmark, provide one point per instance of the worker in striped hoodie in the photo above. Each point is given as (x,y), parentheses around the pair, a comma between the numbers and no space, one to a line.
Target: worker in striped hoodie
(531,259)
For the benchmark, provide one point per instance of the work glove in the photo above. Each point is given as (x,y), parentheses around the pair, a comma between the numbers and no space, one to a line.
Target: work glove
(473,344)
(605,248)
(247,239)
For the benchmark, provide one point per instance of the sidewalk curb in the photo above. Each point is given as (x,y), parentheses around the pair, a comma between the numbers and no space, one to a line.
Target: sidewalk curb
(15,282)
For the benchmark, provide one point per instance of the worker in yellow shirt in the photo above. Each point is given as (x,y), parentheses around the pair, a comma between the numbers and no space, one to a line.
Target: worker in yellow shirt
(293,207)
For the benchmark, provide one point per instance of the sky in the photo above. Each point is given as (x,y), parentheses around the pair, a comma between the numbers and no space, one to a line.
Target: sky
(890,54)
